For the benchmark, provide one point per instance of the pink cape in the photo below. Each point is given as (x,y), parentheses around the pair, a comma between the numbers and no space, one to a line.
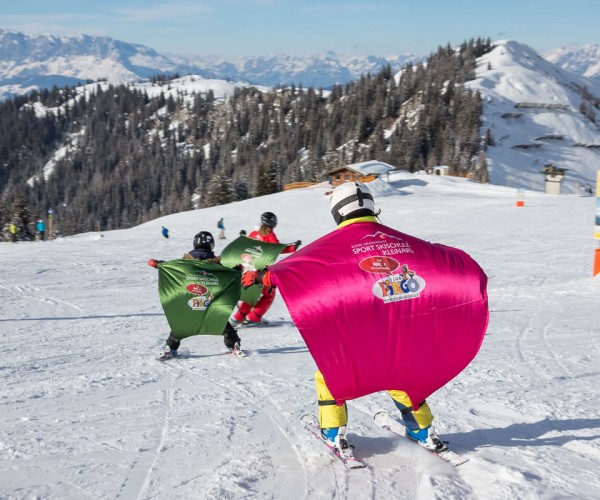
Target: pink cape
(380,310)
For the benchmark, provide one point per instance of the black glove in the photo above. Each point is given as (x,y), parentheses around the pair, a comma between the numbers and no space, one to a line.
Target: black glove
(297,244)
(243,232)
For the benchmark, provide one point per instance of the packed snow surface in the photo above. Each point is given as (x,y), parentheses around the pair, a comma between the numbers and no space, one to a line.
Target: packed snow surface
(88,411)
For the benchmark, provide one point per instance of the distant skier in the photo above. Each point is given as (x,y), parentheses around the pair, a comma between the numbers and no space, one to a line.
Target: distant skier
(221,227)
(41,229)
(165,232)
(13,232)
(246,314)
(204,244)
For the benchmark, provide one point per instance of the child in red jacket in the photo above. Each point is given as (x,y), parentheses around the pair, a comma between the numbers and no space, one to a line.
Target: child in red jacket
(246,314)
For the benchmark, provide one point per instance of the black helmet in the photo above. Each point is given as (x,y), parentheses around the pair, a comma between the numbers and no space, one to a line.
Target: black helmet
(268,219)
(204,240)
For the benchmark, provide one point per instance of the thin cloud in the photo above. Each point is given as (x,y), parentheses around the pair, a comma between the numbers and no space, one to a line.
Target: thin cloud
(179,10)
(58,24)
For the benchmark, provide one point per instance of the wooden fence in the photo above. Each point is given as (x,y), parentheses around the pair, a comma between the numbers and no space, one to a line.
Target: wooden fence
(298,185)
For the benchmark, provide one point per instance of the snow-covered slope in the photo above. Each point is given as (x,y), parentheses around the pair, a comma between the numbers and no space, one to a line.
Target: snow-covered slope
(87,412)
(532,109)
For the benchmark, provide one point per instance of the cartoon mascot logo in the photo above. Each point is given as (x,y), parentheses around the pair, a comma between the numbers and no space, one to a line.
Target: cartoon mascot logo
(393,287)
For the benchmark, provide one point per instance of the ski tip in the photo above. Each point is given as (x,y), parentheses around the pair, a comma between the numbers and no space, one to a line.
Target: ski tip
(309,419)
(382,418)
(237,353)
(354,463)
(453,458)
(183,353)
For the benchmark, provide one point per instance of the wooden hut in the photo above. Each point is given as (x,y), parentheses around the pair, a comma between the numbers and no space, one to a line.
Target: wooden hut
(365,171)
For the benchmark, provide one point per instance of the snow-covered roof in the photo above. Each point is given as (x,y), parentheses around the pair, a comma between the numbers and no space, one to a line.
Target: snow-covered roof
(368,167)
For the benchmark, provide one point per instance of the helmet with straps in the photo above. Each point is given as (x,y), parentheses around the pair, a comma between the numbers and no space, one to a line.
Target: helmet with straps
(351,200)
(268,219)
(204,240)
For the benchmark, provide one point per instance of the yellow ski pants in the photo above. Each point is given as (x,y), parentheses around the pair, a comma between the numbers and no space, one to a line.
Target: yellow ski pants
(333,415)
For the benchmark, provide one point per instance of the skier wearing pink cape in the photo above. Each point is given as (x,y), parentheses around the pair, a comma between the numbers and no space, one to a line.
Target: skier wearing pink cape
(380,310)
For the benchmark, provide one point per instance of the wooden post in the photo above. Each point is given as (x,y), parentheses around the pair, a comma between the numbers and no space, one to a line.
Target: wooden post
(50,223)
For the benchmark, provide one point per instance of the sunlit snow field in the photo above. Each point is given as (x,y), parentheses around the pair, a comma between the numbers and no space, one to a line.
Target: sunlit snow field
(88,412)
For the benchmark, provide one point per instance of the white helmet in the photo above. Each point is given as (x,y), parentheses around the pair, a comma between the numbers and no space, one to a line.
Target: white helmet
(351,200)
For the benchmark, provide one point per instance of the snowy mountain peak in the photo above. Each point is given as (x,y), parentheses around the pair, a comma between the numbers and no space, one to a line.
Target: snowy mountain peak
(581,60)
(537,114)
(34,60)
(37,61)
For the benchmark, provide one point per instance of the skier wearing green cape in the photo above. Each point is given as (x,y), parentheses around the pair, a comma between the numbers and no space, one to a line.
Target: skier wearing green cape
(256,251)
(198,295)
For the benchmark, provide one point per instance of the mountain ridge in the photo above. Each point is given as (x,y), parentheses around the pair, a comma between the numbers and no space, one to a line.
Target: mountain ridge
(537,114)
(32,62)
(584,60)
(177,141)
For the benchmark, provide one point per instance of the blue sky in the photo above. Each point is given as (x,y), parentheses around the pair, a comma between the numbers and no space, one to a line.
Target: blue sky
(308,27)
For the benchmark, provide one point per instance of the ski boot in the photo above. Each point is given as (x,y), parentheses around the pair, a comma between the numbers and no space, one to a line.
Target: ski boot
(427,438)
(168,353)
(336,438)
(231,338)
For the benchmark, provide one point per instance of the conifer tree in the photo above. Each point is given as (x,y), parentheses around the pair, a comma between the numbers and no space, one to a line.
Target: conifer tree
(266,182)
(218,192)
(21,218)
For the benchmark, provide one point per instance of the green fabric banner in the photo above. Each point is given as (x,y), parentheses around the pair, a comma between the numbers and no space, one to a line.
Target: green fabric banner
(253,255)
(197,296)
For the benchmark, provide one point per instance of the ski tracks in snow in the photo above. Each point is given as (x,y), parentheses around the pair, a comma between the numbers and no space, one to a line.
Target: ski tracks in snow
(538,345)
(293,462)
(277,466)
(167,416)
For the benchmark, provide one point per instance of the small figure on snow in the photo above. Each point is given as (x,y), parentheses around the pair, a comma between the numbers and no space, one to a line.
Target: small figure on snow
(204,244)
(221,226)
(363,338)
(41,229)
(165,232)
(247,314)
(13,232)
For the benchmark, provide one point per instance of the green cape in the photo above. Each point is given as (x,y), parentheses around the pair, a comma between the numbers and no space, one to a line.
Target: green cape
(197,296)
(253,255)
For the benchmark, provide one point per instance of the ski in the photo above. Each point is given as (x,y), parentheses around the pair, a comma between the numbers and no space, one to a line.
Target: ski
(386,421)
(263,323)
(236,351)
(311,424)
(182,353)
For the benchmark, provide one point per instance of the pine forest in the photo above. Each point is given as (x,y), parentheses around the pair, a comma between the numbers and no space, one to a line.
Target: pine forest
(120,158)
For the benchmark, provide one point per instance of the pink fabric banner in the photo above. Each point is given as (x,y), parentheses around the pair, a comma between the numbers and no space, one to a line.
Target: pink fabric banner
(380,310)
